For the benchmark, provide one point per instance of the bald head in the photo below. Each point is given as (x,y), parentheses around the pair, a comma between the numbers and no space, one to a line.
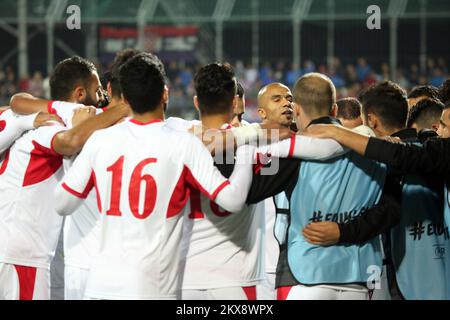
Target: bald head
(316,94)
(275,104)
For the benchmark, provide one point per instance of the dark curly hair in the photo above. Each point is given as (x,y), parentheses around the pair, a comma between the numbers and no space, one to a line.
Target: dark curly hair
(216,87)
(142,80)
(388,101)
(69,74)
(424,91)
(425,113)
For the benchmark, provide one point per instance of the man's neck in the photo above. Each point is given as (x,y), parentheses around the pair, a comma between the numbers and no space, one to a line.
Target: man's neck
(149,116)
(215,121)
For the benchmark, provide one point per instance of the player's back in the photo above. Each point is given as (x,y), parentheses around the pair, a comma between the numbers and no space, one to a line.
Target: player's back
(140,177)
(29,225)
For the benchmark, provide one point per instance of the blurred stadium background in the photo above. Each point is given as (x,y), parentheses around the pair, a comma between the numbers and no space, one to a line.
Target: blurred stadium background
(265,40)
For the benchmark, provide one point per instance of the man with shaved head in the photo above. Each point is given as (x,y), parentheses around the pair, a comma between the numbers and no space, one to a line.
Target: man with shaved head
(275,104)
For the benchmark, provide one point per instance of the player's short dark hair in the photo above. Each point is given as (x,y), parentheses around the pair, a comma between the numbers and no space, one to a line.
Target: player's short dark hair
(240,90)
(216,87)
(349,108)
(142,80)
(444,91)
(425,113)
(315,93)
(424,91)
(388,101)
(121,58)
(69,74)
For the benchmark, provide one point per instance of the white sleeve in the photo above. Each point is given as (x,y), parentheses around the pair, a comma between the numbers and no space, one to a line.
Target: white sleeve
(12,126)
(77,183)
(234,197)
(65,110)
(228,194)
(306,148)
(247,134)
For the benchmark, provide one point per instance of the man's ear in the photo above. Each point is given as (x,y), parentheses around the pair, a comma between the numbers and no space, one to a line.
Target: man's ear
(109,89)
(196,103)
(79,94)
(334,110)
(262,114)
(165,97)
(372,121)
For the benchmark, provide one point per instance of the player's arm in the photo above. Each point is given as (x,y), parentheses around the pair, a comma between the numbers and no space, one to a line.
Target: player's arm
(306,148)
(433,157)
(219,141)
(70,142)
(13,126)
(375,221)
(230,194)
(77,182)
(25,103)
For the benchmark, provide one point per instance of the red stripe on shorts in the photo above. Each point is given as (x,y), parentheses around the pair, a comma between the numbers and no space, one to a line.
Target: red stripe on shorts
(250,292)
(27,280)
(283,292)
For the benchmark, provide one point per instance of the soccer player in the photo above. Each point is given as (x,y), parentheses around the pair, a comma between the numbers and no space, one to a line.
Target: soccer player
(29,226)
(421,226)
(444,123)
(349,112)
(274,105)
(142,171)
(239,109)
(224,257)
(419,93)
(425,115)
(314,193)
(12,126)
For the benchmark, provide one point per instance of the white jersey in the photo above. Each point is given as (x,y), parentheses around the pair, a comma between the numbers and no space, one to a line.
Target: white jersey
(140,173)
(272,248)
(29,226)
(221,249)
(12,126)
(81,229)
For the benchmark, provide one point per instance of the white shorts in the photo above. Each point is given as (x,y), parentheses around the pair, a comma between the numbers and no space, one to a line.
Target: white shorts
(266,289)
(301,292)
(75,282)
(231,293)
(24,283)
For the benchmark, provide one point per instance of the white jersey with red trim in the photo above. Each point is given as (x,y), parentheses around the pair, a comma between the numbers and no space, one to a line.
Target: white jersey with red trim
(140,173)
(81,229)
(12,126)
(29,225)
(221,249)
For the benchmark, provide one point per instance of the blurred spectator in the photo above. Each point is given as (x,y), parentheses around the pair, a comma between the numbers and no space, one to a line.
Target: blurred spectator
(362,69)
(36,87)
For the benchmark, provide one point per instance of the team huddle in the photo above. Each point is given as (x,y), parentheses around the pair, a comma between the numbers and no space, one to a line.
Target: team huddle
(121,203)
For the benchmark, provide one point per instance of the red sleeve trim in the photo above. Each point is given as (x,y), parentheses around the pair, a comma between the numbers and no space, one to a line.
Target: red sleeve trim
(292,147)
(219,188)
(50,108)
(73,192)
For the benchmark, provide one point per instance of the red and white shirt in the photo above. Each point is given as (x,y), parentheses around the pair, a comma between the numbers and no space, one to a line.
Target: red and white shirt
(81,229)
(12,126)
(29,226)
(141,173)
(220,249)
